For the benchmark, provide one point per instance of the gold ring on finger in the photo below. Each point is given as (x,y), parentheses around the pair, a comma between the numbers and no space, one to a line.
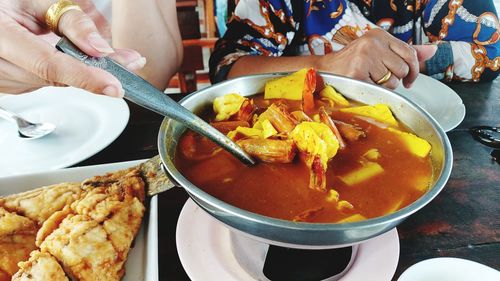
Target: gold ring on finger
(384,79)
(55,12)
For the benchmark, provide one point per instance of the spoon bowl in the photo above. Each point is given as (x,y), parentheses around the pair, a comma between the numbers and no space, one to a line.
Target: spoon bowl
(27,129)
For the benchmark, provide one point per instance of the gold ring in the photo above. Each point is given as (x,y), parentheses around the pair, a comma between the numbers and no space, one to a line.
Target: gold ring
(55,12)
(384,79)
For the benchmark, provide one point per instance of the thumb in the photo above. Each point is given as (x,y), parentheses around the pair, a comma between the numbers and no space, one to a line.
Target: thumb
(425,52)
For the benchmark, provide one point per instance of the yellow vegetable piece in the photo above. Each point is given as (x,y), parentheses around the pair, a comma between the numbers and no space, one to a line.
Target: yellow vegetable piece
(372,154)
(249,132)
(416,145)
(353,218)
(227,105)
(289,87)
(267,129)
(333,196)
(343,204)
(422,183)
(315,139)
(379,112)
(368,171)
(263,129)
(330,93)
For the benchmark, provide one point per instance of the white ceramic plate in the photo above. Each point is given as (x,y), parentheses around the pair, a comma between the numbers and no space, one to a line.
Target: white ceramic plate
(449,269)
(86,123)
(437,99)
(204,248)
(142,262)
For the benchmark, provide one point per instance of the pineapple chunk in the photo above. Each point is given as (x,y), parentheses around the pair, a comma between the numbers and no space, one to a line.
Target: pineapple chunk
(343,204)
(372,154)
(353,218)
(331,94)
(227,105)
(248,132)
(416,145)
(263,129)
(267,129)
(289,87)
(379,112)
(333,196)
(368,171)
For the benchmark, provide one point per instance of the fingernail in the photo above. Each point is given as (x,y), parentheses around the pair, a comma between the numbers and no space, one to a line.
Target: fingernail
(137,64)
(113,91)
(98,43)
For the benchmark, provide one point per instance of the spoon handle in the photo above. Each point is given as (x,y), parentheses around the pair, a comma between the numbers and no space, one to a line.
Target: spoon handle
(139,91)
(7,115)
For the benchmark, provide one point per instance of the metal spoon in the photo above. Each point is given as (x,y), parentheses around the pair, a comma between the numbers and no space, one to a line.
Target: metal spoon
(139,91)
(25,128)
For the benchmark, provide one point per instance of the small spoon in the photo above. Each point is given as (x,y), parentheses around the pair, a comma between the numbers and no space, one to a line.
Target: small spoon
(25,128)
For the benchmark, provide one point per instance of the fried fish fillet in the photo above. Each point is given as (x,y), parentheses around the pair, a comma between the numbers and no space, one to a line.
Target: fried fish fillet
(91,238)
(40,267)
(40,203)
(17,240)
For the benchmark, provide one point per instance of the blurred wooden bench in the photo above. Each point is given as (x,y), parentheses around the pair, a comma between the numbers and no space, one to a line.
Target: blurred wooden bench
(192,71)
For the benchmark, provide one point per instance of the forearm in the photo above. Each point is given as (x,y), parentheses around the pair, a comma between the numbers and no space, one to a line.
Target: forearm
(150,27)
(262,64)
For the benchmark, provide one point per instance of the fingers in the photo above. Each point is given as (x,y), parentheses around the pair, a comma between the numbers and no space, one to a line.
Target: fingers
(379,71)
(26,50)
(409,55)
(81,30)
(14,87)
(129,58)
(425,52)
(11,72)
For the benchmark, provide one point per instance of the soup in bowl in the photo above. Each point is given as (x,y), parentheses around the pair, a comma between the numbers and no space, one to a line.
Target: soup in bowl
(339,162)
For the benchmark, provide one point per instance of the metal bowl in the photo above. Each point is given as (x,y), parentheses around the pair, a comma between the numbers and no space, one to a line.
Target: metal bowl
(299,234)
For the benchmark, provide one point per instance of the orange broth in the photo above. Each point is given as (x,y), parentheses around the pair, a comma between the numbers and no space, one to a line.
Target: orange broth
(281,190)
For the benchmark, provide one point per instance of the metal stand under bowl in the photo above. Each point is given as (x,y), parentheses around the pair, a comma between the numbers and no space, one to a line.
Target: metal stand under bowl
(209,251)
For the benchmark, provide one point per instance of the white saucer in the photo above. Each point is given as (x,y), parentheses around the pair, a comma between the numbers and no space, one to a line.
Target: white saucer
(449,269)
(86,123)
(437,99)
(203,245)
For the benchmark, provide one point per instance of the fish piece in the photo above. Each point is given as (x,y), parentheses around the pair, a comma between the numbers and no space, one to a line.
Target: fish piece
(246,111)
(300,116)
(350,132)
(40,203)
(41,266)
(279,118)
(91,238)
(268,150)
(227,126)
(307,214)
(327,120)
(17,240)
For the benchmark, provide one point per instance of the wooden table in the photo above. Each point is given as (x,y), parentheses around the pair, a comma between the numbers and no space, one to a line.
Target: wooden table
(463,221)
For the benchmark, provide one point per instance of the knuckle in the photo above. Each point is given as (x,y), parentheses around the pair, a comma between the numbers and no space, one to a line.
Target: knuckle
(45,66)
(75,22)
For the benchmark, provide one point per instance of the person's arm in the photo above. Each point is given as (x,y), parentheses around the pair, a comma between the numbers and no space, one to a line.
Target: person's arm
(467,34)
(248,48)
(150,27)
